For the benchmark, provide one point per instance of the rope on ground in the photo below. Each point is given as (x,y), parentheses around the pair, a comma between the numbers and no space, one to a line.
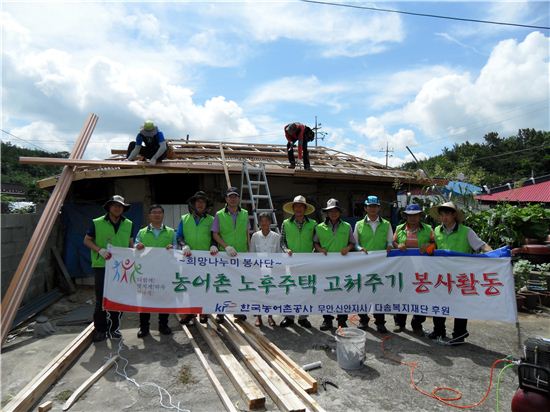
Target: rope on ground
(446,400)
(161,391)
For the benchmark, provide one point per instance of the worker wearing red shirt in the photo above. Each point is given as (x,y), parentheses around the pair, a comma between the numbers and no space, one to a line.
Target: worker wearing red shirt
(297,132)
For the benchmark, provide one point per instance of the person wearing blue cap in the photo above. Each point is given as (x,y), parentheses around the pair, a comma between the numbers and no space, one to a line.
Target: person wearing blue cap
(373,233)
(418,235)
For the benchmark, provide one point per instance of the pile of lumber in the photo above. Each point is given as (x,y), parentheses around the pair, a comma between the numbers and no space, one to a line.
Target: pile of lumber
(286,383)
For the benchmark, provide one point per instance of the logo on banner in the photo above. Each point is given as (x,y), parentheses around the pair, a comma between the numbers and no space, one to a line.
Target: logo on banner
(126,270)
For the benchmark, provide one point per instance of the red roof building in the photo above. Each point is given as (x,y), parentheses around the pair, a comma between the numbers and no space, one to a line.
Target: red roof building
(537,193)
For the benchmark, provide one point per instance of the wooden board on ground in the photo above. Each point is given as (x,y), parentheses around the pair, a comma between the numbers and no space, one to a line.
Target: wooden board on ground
(283,357)
(291,379)
(277,389)
(245,385)
(37,387)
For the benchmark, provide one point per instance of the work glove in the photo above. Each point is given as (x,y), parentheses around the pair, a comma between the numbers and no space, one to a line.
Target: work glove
(231,251)
(186,250)
(105,254)
(213,250)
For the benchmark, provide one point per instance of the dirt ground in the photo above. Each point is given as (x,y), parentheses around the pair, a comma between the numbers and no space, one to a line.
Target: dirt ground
(382,384)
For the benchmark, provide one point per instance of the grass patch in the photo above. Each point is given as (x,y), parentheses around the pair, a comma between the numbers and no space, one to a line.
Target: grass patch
(185,376)
(63,395)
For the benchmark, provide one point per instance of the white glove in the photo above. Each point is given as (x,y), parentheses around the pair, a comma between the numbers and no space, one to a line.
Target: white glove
(105,254)
(214,250)
(231,251)
(152,162)
(186,250)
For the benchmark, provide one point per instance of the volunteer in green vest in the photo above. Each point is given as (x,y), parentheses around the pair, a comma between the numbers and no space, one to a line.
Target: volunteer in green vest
(195,233)
(333,235)
(109,229)
(453,235)
(373,233)
(297,237)
(413,234)
(155,234)
(230,229)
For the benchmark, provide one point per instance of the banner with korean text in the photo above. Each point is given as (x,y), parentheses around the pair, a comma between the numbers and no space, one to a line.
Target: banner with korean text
(159,280)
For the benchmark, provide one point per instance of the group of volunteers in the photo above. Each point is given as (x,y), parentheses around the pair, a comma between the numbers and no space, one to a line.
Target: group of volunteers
(229,230)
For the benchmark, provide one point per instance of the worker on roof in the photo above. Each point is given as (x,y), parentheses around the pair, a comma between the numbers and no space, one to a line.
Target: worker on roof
(112,228)
(453,235)
(333,235)
(231,229)
(297,237)
(195,233)
(155,234)
(298,132)
(149,143)
(373,233)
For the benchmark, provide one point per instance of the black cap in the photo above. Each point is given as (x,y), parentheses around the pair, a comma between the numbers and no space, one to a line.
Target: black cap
(232,191)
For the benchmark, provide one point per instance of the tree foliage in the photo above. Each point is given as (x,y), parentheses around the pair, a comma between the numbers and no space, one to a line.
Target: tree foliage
(494,162)
(27,175)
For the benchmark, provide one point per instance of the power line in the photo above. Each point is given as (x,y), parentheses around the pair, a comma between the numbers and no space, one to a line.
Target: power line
(542,146)
(435,16)
(23,140)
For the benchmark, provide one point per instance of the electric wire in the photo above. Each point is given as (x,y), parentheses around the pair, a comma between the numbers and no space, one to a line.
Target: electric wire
(498,383)
(435,16)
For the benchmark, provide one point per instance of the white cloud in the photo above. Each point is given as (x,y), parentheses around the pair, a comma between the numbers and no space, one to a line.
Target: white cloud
(374,131)
(511,91)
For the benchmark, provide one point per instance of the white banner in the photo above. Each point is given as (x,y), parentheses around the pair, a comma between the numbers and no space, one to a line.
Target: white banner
(158,280)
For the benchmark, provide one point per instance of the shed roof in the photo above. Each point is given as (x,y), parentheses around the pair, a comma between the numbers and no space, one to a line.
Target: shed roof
(210,156)
(539,192)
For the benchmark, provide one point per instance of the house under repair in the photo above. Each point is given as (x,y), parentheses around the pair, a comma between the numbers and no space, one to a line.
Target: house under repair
(259,170)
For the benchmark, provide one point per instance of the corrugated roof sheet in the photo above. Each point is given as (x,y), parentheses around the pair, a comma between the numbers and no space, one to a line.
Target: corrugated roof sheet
(539,192)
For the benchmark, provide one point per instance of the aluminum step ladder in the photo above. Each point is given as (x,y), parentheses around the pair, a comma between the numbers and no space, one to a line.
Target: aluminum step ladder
(255,192)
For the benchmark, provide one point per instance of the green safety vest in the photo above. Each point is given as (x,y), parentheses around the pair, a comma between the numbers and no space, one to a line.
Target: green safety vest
(105,234)
(235,235)
(423,234)
(373,241)
(333,242)
(456,241)
(299,240)
(197,236)
(165,237)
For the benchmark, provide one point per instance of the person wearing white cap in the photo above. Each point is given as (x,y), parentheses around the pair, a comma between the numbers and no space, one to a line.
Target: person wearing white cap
(333,235)
(113,229)
(418,235)
(373,233)
(453,235)
(297,237)
(149,143)
(230,229)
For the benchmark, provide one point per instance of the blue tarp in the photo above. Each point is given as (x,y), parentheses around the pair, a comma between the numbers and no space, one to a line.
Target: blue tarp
(77,219)
(462,188)
(497,253)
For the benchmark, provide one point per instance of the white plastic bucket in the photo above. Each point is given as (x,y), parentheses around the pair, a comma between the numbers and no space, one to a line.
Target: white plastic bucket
(350,347)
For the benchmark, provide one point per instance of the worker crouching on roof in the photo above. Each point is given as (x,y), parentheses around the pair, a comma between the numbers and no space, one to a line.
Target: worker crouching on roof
(231,229)
(333,235)
(113,229)
(297,237)
(373,233)
(453,235)
(149,143)
(418,235)
(155,234)
(195,233)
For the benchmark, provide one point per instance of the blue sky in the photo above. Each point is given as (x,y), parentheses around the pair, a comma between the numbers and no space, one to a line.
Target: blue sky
(239,71)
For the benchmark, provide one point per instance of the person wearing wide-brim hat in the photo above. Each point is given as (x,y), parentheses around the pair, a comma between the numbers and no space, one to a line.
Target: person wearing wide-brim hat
(417,235)
(453,235)
(373,233)
(195,233)
(110,229)
(297,237)
(333,235)
(149,143)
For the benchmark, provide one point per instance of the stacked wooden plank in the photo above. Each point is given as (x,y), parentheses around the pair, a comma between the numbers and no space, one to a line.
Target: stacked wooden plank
(287,384)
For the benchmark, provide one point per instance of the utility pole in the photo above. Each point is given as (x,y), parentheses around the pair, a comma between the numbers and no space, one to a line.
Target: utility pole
(318,135)
(388,151)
